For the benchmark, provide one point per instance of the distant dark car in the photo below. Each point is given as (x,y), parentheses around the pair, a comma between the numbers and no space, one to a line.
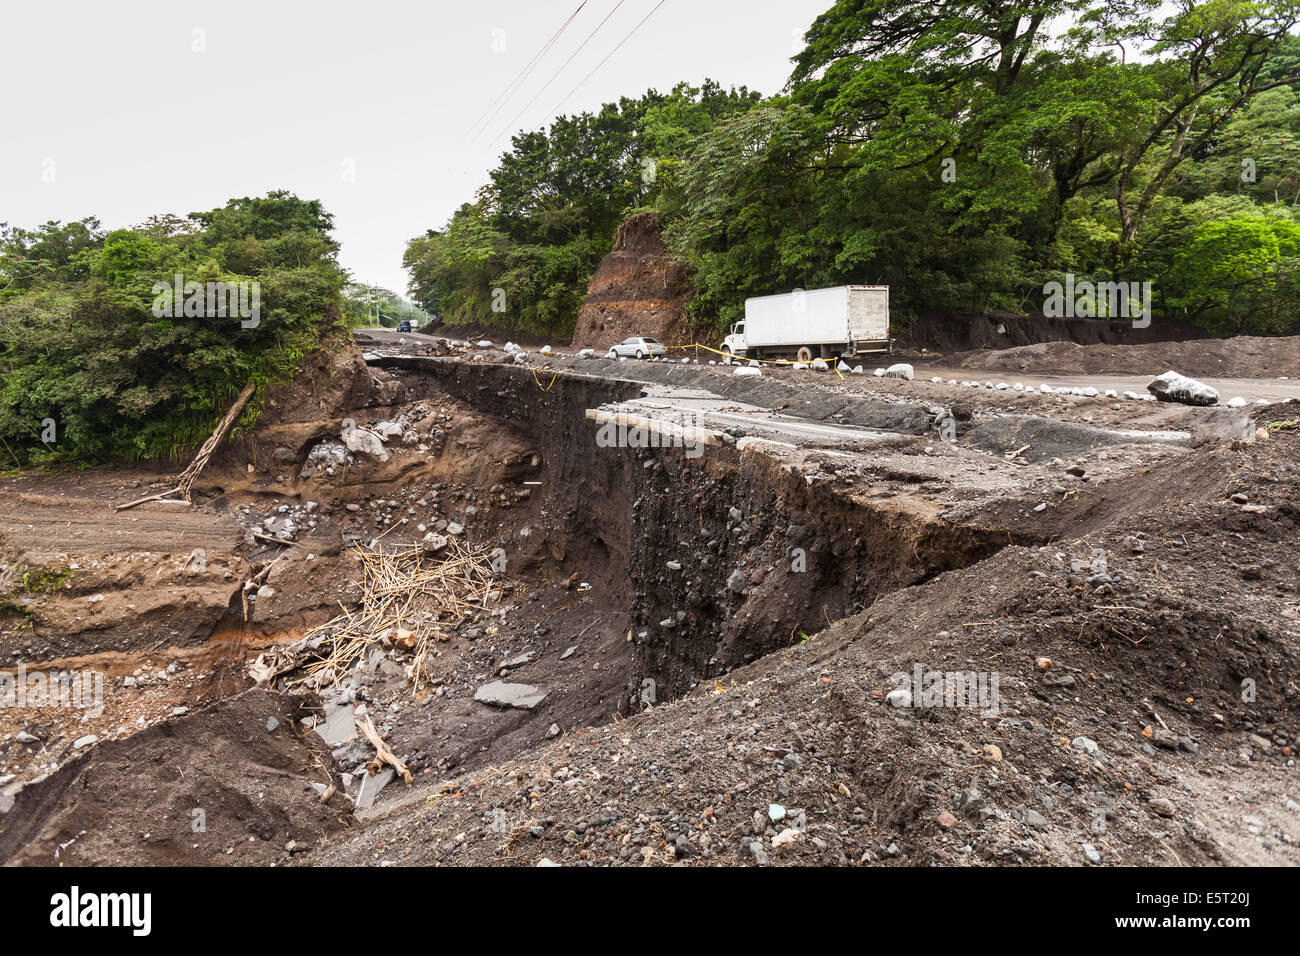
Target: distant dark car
(404,325)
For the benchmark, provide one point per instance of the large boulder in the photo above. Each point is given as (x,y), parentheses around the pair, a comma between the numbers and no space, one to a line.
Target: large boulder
(362,440)
(901,370)
(1173,387)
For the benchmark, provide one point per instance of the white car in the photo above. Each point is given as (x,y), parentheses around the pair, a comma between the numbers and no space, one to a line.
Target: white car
(637,347)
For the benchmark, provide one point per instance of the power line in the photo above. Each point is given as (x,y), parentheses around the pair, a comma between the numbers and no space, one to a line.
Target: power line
(513,86)
(556,74)
(607,56)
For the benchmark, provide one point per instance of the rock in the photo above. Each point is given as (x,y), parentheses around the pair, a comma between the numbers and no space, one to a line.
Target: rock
(1237,402)
(272,724)
(519,696)
(1172,387)
(362,441)
(587,353)
(785,838)
(82,742)
(901,370)
(746,370)
(1091,853)
(371,785)
(1163,807)
(339,725)
(433,543)
(775,812)
(1220,425)
(899,698)
(992,753)
(737,581)
(455,527)
(1086,744)
(946,820)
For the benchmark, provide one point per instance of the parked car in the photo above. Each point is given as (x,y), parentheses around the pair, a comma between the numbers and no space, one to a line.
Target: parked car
(637,347)
(404,325)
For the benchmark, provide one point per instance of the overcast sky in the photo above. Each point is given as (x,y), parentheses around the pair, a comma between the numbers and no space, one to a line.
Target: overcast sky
(126,109)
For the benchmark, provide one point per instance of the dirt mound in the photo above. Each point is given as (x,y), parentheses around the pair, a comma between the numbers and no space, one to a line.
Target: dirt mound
(638,290)
(229,785)
(946,332)
(1244,356)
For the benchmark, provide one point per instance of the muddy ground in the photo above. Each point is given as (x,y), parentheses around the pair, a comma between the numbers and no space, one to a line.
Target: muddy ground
(715,636)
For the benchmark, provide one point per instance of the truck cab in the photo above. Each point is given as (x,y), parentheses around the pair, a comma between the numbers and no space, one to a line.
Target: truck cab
(735,342)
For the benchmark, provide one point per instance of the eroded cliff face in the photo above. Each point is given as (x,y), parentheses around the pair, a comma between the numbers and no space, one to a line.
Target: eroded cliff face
(638,290)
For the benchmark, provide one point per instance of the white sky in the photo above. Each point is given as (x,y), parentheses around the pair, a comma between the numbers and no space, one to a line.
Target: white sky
(112,102)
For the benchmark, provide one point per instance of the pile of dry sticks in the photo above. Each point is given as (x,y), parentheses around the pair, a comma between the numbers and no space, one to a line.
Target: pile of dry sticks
(410,598)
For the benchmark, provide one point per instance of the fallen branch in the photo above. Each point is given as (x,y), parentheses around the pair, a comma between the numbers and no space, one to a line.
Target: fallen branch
(185,480)
(140,501)
(383,753)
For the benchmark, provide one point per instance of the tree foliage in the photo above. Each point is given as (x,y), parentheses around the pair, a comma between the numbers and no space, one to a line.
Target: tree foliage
(81,342)
(964,153)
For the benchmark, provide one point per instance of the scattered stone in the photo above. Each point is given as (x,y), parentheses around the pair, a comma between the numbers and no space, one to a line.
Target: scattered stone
(500,694)
(1163,807)
(901,370)
(899,698)
(1172,387)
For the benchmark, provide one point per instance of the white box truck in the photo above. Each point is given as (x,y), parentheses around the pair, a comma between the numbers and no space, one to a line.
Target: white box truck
(817,323)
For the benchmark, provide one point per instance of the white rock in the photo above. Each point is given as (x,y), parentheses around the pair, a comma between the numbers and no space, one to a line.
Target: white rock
(901,370)
(362,440)
(587,353)
(1236,402)
(747,370)
(1173,387)
(484,344)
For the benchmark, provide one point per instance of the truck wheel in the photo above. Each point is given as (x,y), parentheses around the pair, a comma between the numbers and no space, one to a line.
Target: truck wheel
(805,354)
(726,350)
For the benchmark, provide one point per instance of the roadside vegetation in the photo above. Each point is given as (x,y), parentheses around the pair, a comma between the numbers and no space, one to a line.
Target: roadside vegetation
(89,371)
(964,154)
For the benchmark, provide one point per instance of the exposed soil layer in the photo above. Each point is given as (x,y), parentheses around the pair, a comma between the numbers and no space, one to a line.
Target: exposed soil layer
(637,290)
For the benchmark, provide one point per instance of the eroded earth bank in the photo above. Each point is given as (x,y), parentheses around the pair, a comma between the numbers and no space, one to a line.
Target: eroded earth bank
(684,601)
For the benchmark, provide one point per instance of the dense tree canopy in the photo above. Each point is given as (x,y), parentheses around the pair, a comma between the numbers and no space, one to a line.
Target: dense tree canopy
(82,343)
(964,153)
